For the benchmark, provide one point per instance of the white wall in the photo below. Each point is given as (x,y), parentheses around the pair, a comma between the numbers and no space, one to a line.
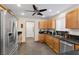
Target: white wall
(60,22)
(74,31)
(36,26)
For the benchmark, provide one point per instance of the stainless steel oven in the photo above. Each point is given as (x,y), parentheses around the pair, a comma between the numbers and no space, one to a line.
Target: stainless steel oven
(66,46)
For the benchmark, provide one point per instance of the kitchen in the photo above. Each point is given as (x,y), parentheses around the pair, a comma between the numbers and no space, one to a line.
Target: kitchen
(57,35)
(59,31)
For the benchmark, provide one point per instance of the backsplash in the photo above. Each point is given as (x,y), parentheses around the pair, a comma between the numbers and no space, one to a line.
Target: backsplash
(74,31)
(73,36)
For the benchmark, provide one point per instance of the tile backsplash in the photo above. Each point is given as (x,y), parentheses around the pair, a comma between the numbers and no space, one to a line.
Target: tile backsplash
(74,31)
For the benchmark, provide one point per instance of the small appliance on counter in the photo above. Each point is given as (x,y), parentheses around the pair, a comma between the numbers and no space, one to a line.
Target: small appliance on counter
(76,37)
(42,31)
(62,33)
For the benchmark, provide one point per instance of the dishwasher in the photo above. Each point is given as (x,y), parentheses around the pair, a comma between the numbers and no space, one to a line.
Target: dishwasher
(66,46)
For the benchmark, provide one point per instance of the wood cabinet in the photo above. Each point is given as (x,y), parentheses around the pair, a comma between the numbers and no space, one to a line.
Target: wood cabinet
(56,44)
(42,24)
(53,43)
(72,19)
(76,46)
(78,19)
(41,38)
(49,41)
(51,23)
(47,24)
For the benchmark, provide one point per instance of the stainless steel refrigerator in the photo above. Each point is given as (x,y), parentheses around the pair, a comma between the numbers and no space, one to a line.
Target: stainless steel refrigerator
(8,34)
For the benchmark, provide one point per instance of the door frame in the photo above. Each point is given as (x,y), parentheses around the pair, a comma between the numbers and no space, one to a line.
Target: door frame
(33,29)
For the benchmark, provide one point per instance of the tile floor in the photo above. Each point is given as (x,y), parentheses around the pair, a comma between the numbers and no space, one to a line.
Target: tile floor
(34,48)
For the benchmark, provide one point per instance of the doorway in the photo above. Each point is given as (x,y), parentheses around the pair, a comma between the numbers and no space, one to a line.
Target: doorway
(30,29)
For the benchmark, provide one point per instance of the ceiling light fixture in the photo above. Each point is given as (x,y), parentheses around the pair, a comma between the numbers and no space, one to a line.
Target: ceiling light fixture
(50,10)
(19,5)
(22,13)
(43,16)
(58,12)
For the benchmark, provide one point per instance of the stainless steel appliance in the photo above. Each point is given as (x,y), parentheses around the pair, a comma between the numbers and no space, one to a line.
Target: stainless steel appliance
(66,46)
(7,44)
(0,36)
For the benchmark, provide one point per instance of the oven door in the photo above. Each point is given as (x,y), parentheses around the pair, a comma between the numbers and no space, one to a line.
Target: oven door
(66,46)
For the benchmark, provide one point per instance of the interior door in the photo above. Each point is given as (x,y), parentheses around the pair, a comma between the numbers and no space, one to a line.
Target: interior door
(30,29)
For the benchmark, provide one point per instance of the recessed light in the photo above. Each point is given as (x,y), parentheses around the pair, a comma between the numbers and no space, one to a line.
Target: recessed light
(22,13)
(50,10)
(19,5)
(43,16)
(58,11)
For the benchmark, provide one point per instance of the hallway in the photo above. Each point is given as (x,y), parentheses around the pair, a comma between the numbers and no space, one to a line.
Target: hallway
(34,48)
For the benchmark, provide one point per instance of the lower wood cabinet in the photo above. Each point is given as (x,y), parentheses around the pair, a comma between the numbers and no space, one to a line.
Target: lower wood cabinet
(41,37)
(53,43)
(76,46)
(56,44)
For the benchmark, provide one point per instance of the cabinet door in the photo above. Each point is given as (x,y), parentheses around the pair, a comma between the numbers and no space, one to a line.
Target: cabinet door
(51,23)
(77,47)
(41,37)
(71,19)
(43,24)
(78,19)
(56,45)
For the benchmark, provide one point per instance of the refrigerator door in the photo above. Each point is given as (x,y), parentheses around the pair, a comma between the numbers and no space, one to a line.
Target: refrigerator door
(0,33)
(8,43)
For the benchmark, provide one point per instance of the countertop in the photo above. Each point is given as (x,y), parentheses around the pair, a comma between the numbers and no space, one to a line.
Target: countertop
(73,41)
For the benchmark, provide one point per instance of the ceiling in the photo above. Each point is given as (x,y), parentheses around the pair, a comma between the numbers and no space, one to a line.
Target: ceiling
(52,9)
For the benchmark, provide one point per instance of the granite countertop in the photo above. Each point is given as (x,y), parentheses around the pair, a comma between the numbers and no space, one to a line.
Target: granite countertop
(73,41)
(70,53)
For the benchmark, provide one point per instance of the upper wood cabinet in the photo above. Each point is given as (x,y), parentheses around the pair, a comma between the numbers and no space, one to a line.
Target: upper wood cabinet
(51,23)
(78,19)
(72,19)
(43,24)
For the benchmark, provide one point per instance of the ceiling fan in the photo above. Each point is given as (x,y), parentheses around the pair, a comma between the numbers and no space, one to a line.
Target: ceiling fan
(36,11)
